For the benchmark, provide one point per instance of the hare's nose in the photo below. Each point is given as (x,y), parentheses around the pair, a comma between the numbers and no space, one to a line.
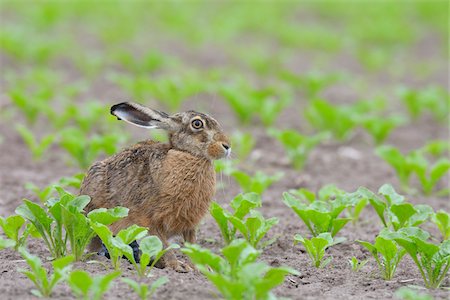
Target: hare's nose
(226,146)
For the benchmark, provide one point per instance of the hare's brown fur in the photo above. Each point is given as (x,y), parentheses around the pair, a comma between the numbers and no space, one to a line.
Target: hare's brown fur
(167,187)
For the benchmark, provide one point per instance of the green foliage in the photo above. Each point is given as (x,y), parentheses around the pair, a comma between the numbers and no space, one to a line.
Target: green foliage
(316,246)
(380,128)
(416,162)
(64,221)
(118,245)
(442,221)
(356,202)
(403,165)
(433,99)
(143,290)
(37,148)
(247,102)
(256,183)
(6,243)
(386,253)
(432,260)
(311,83)
(405,293)
(319,216)
(430,174)
(338,120)
(298,146)
(87,287)
(356,264)
(393,211)
(152,250)
(48,192)
(242,144)
(171,91)
(38,274)
(249,222)
(12,226)
(84,150)
(237,275)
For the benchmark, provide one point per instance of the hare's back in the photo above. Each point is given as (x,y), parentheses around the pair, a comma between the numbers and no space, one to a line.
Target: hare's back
(126,178)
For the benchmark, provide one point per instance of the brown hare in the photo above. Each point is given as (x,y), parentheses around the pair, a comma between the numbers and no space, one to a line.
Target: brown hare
(166,186)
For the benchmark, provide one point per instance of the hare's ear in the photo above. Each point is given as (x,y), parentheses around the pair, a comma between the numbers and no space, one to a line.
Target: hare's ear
(143,116)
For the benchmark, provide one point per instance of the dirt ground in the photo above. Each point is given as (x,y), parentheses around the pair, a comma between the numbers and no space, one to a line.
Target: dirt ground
(348,165)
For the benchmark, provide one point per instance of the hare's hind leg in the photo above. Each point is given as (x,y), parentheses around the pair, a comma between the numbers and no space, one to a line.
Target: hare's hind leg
(169,259)
(190,237)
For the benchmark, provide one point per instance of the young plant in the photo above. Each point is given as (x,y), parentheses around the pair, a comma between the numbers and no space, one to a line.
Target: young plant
(442,221)
(249,222)
(48,192)
(415,162)
(356,264)
(393,211)
(312,83)
(356,203)
(386,253)
(243,144)
(38,274)
(170,91)
(432,260)
(248,102)
(151,249)
(316,246)
(86,287)
(237,275)
(257,183)
(380,128)
(319,216)
(118,245)
(143,290)
(338,120)
(433,99)
(36,147)
(429,175)
(298,146)
(402,164)
(12,226)
(64,221)
(85,150)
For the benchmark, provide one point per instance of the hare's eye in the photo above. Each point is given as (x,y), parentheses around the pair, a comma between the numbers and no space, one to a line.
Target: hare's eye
(197,124)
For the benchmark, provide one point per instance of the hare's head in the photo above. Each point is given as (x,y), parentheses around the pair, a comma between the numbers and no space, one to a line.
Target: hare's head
(189,131)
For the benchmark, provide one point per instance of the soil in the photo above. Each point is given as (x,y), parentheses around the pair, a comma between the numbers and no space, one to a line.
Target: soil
(348,165)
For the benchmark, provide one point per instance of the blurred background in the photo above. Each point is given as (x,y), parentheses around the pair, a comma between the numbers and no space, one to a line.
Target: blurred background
(254,65)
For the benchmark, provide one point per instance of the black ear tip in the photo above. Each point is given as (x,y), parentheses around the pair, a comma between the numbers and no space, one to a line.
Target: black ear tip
(117,106)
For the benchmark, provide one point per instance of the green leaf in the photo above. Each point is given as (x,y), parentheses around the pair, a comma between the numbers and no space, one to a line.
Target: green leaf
(80,282)
(6,243)
(102,283)
(338,224)
(132,233)
(108,216)
(243,203)
(390,194)
(221,216)
(11,226)
(403,212)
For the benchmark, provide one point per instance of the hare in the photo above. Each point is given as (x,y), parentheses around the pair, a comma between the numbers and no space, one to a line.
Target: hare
(166,186)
